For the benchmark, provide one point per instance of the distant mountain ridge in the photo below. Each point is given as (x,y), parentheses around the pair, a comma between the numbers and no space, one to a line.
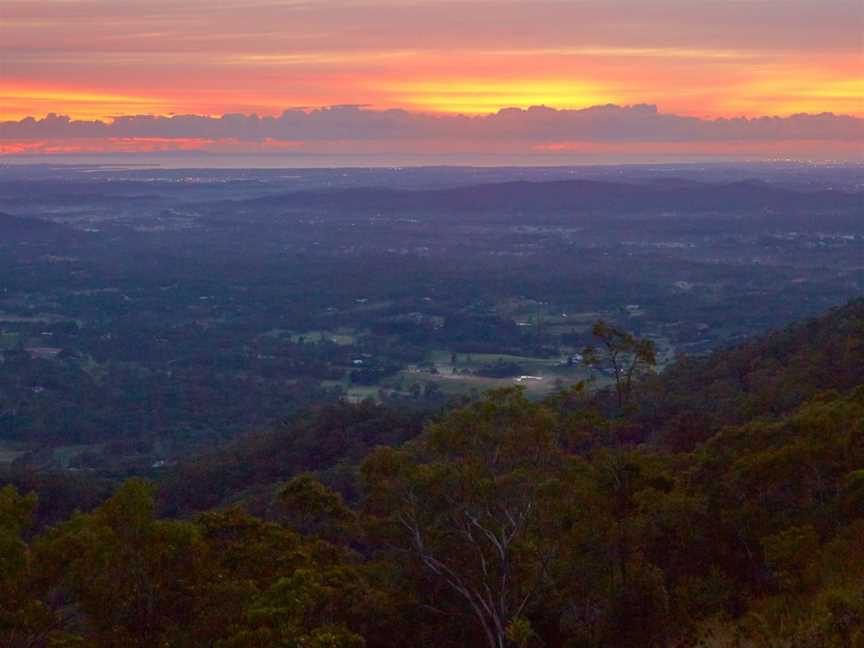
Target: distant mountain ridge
(672,194)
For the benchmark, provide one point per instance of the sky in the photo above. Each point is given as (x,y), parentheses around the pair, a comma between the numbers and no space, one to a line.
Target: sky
(408,76)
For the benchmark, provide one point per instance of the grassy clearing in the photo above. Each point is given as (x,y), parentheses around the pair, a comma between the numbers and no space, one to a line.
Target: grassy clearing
(357,393)
(443,357)
(64,455)
(532,366)
(463,384)
(342,337)
(582,328)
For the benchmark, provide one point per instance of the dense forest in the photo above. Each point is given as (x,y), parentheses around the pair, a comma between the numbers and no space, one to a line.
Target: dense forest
(718,503)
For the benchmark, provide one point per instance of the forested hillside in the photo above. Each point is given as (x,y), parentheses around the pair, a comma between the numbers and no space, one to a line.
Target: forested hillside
(762,378)
(720,504)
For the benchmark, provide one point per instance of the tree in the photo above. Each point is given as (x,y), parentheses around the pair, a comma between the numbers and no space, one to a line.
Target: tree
(134,577)
(281,616)
(227,579)
(476,504)
(627,356)
(313,509)
(24,619)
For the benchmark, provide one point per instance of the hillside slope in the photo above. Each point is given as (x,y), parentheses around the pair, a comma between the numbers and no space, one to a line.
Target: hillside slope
(525,523)
(577,194)
(763,378)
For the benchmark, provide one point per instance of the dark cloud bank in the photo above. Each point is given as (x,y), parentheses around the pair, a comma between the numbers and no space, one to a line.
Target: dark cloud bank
(536,125)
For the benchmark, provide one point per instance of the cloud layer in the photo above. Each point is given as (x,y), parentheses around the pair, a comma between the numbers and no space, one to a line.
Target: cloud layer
(537,126)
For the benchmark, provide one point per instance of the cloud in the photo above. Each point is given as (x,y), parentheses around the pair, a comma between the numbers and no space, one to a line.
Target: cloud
(155,25)
(537,126)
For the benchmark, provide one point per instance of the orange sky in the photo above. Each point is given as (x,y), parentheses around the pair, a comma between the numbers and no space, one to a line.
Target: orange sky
(95,59)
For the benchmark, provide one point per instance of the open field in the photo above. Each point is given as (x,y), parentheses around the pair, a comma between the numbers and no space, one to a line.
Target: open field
(544,374)
(340,336)
(357,393)
(442,360)
(465,384)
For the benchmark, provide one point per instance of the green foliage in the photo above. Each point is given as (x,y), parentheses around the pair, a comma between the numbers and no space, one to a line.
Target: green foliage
(323,441)
(225,579)
(312,508)
(132,575)
(790,554)
(15,513)
(24,617)
(766,377)
(507,523)
(520,633)
(474,505)
(278,617)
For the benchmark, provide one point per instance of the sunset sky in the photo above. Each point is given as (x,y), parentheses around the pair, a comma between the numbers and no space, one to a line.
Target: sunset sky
(100,59)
